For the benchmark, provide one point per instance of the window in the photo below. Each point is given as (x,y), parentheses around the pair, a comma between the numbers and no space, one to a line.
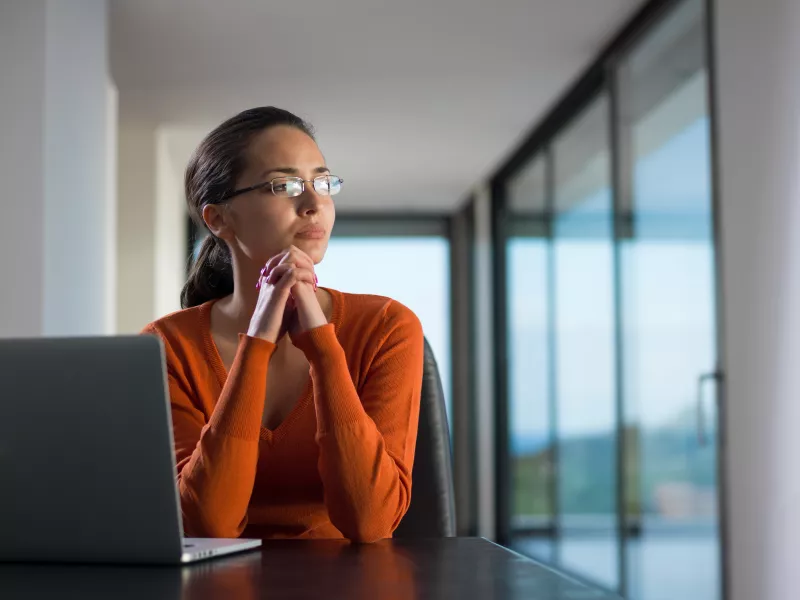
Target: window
(610,325)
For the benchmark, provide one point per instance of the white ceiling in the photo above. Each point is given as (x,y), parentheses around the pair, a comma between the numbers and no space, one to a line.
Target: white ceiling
(413,101)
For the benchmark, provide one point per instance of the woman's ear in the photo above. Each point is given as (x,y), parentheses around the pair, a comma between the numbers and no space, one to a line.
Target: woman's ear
(216,221)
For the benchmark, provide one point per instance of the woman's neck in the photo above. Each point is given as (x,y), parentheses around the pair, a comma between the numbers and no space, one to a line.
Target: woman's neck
(241,304)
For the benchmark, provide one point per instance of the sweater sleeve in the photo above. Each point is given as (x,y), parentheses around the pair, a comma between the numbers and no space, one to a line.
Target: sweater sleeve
(367,440)
(217,458)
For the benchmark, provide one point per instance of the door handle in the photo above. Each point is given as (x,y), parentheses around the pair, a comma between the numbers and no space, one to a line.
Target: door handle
(702,439)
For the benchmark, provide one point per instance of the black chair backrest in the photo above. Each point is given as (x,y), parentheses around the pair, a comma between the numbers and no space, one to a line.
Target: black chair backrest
(432,512)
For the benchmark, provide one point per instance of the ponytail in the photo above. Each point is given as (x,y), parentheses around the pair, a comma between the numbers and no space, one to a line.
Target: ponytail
(211,275)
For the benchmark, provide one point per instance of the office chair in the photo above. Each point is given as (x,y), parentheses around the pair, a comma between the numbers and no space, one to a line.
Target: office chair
(432,512)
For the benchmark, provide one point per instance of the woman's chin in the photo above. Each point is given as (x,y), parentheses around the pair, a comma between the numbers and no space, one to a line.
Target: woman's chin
(315,248)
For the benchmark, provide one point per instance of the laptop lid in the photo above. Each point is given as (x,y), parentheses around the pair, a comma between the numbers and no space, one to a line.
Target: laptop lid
(86,454)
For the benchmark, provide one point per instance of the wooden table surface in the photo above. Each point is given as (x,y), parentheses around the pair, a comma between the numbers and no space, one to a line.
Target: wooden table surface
(390,569)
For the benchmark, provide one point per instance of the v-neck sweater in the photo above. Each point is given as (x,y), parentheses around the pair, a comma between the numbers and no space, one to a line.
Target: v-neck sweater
(340,463)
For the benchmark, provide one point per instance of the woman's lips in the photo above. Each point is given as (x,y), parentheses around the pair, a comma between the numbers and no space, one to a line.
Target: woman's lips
(311,233)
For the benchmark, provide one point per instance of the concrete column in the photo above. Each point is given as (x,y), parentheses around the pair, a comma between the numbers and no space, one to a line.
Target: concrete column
(484,365)
(758,102)
(55,113)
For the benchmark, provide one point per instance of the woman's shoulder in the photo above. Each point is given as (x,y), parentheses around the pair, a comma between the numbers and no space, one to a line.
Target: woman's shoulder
(361,312)
(180,328)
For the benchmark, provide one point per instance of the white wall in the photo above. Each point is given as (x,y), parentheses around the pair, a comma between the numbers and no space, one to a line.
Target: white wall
(757,47)
(171,227)
(54,99)
(136,194)
(76,206)
(22,60)
(152,236)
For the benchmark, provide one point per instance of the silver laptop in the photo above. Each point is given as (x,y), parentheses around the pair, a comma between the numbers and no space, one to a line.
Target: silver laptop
(87,465)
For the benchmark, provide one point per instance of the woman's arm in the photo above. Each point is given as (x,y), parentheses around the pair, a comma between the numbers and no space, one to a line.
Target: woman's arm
(367,443)
(217,458)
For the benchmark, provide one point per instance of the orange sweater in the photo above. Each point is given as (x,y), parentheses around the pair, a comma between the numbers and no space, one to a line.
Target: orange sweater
(338,465)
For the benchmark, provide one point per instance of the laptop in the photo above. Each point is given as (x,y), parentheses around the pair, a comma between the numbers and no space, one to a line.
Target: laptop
(87,462)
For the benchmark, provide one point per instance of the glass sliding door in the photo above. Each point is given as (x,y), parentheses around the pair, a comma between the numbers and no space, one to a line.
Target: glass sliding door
(584,328)
(611,330)
(530,439)
(668,312)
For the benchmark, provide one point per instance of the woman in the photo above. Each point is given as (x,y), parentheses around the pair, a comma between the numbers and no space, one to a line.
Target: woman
(294,407)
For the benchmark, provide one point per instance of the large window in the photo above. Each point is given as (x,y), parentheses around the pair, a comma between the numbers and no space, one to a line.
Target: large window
(610,328)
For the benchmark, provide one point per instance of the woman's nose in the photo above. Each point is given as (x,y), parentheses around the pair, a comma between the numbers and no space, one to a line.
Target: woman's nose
(310,201)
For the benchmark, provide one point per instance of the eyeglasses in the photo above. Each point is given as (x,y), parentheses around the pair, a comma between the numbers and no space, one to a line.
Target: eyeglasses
(289,187)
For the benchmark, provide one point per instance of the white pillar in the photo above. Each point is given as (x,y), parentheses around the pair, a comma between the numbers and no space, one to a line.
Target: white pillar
(54,168)
(758,99)
(22,58)
(152,232)
(136,212)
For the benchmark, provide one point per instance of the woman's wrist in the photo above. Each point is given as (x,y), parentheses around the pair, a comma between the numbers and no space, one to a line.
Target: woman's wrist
(309,312)
(260,332)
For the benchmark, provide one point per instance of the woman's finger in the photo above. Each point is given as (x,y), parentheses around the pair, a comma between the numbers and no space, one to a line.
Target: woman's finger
(292,276)
(282,269)
(297,256)
(274,262)
(291,254)
(304,258)
(277,273)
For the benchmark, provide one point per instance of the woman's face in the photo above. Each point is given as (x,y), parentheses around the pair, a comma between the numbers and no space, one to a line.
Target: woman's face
(261,224)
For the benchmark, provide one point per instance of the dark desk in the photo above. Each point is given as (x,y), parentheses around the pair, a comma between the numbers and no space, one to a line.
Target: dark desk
(400,569)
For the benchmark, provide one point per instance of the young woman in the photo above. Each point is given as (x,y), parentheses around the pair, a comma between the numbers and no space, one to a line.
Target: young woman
(294,407)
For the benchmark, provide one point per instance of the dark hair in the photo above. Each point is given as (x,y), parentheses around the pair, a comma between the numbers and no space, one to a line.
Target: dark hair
(211,175)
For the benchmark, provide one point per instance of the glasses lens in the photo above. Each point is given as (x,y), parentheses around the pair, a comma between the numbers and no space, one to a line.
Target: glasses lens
(327,185)
(287,186)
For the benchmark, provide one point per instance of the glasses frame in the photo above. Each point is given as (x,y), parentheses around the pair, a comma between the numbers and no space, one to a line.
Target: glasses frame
(271,185)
